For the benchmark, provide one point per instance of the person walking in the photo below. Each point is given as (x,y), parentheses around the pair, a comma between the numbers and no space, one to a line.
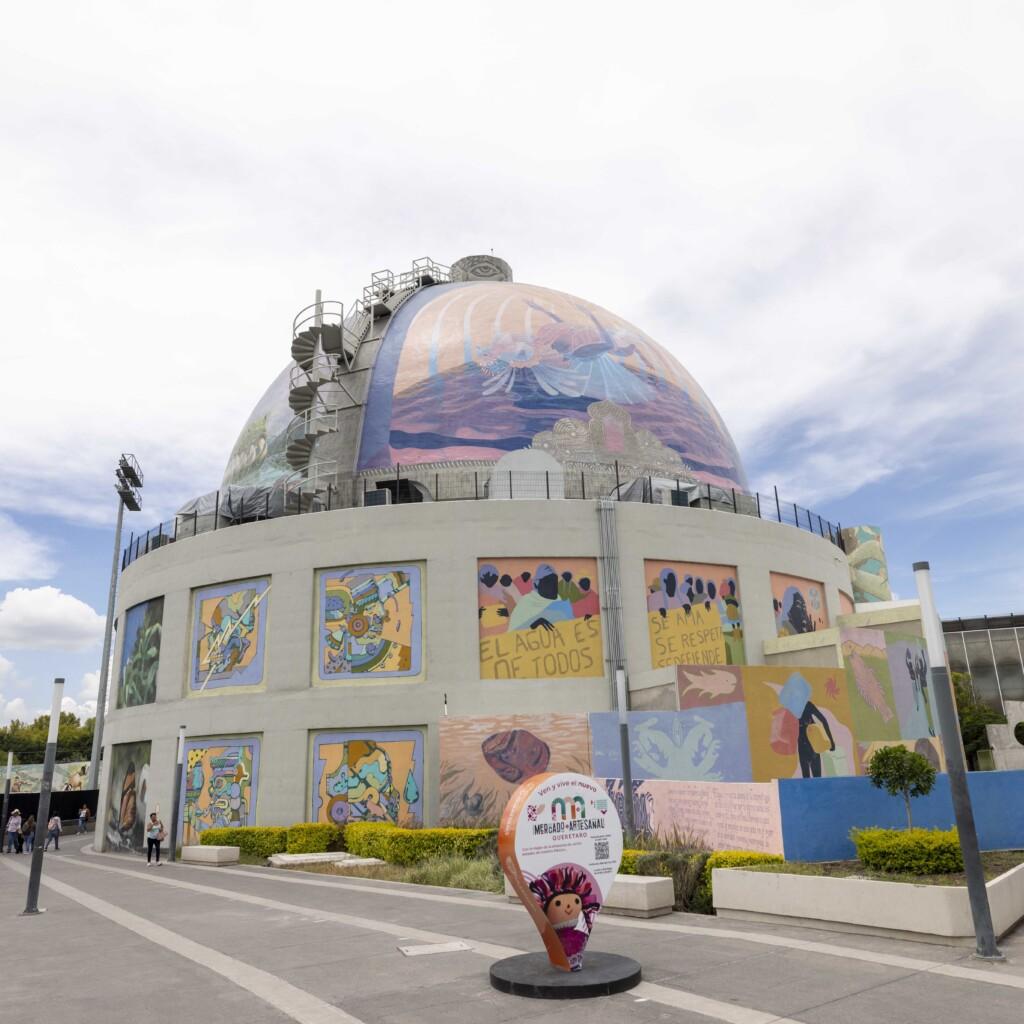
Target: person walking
(155,835)
(28,830)
(13,831)
(53,831)
(83,818)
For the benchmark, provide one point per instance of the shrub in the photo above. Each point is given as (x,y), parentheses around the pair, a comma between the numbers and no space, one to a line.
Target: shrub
(411,845)
(457,872)
(901,772)
(256,842)
(914,851)
(629,859)
(685,870)
(314,837)
(703,901)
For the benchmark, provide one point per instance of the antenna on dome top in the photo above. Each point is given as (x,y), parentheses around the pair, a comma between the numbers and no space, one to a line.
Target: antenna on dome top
(319,317)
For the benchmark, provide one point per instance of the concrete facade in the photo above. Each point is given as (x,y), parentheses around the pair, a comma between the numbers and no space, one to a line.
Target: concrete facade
(445,539)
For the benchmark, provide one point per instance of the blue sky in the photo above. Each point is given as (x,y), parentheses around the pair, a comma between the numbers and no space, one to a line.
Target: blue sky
(814,206)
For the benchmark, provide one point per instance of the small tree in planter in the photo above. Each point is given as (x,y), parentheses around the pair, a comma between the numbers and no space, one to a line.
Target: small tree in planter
(901,772)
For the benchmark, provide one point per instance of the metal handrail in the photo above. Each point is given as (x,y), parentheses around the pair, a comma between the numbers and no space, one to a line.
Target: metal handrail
(303,422)
(320,367)
(325,307)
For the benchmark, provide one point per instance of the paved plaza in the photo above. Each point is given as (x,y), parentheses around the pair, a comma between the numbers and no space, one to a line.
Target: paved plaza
(123,942)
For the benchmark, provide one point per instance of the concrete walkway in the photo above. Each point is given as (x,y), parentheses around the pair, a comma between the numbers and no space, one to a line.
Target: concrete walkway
(123,942)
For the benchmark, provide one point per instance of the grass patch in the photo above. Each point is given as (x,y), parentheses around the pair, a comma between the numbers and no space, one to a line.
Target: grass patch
(451,871)
(995,863)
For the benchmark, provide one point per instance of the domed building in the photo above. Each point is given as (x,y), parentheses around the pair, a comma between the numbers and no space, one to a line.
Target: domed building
(466,521)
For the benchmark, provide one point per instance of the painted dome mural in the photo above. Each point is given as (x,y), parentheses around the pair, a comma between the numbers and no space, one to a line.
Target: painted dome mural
(473,370)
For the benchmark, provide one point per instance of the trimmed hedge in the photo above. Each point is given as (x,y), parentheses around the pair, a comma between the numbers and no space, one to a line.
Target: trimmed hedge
(914,851)
(254,841)
(629,859)
(411,845)
(315,837)
(703,901)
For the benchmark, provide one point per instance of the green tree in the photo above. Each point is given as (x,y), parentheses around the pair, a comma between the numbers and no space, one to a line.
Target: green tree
(974,715)
(28,739)
(901,772)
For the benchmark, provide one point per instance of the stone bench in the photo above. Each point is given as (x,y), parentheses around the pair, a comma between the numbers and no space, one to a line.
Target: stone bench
(215,855)
(631,896)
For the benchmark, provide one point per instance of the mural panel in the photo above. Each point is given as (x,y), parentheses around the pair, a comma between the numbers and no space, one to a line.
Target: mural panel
(693,614)
(370,623)
(484,759)
(127,790)
(869,570)
(869,684)
(68,776)
(539,618)
(368,775)
(929,747)
(219,785)
(907,657)
(140,654)
(707,744)
(799,605)
(229,624)
(706,687)
(799,721)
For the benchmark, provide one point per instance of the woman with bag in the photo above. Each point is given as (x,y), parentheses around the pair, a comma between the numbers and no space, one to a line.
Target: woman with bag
(155,835)
(28,831)
(53,831)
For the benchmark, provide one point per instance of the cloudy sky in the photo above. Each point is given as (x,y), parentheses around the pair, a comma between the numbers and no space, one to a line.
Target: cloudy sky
(815,205)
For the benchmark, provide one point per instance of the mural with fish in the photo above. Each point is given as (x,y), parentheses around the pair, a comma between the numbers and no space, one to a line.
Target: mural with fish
(799,604)
(127,790)
(484,759)
(693,614)
(229,624)
(368,775)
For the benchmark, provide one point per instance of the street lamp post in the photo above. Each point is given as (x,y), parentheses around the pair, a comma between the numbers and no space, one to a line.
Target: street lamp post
(129,483)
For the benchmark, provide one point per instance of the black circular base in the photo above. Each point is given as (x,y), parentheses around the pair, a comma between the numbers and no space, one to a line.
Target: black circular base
(531,974)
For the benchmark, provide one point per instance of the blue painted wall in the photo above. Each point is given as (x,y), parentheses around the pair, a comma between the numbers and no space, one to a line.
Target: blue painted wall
(817,814)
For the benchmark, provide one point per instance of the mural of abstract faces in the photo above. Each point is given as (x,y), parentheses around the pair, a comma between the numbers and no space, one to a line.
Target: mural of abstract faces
(475,371)
(368,775)
(707,744)
(869,685)
(484,759)
(126,796)
(539,618)
(799,721)
(370,623)
(799,605)
(908,669)
(229,624)
(219,785)
(693,614)
(140,654)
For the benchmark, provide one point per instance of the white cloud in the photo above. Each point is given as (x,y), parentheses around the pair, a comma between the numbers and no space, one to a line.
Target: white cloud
(90,686)
(23,556)
(46,618)
(16,708)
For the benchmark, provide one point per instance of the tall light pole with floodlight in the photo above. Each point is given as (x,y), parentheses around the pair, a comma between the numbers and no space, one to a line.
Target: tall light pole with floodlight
(128,486)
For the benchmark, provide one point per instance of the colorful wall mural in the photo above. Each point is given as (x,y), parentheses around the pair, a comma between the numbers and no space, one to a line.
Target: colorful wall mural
(907,657)
(68,776)
(693,614)
(370,623)
(869,685)
(127,789)
(707,744)
(368,775)
(472,371)
(799,604)
(539,618)
(799,721)
(869,569)
(258,456)
(229,624)
(929,747)
(219,785)
(484,759)
(140,653)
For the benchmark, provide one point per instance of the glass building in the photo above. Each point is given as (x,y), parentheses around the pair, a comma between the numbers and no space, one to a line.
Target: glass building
(989,649)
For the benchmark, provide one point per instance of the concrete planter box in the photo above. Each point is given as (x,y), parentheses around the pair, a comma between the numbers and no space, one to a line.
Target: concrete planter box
(631,896)
(929,913)
(210,855)
(287,860)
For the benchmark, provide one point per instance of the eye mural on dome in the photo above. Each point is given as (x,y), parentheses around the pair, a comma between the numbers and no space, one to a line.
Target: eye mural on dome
(368,775)
(472,371)
(539,618)
(370,623)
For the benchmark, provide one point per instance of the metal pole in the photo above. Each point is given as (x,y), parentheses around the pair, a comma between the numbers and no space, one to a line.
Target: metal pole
(956,766)
(778,506)
(101,695)
(43,812)
(7,794)
(177,795)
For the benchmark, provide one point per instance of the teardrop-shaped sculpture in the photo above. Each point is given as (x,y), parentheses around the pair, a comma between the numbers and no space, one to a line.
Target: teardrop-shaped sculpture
(560,845)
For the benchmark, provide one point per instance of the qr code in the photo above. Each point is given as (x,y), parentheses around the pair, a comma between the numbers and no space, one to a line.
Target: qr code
(601,849)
